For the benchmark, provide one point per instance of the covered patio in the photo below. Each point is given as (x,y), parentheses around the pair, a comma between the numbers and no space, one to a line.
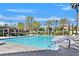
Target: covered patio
(11,32)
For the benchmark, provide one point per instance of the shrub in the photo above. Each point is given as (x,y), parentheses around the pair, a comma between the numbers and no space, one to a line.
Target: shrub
(1,34)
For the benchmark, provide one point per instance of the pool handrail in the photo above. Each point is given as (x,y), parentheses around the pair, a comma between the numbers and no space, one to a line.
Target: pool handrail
(63,39)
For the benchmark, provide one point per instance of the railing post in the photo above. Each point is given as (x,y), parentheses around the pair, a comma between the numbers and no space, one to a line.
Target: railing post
(69,44)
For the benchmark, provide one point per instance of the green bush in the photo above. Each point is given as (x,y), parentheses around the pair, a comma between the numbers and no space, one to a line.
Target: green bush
(66,32)
(41,33)
(58,33)
(1,34)
(61,33)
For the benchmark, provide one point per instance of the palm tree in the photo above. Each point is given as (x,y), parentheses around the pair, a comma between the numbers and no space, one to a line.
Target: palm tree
(63,22)
(36,25)
(69,28)
(68,23)
(72,28)
(20,26)
(14,26)
(29,20)
(6,25)
(49,23)
(75,7)
(56,22)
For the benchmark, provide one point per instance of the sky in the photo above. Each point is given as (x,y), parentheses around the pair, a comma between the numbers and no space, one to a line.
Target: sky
(12,13)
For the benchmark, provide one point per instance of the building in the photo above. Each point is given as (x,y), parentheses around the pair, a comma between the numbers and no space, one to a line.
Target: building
(11,32)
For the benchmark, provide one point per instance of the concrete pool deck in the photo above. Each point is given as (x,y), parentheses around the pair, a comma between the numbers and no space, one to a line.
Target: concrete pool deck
(4,37)
(15,48)
(61,52)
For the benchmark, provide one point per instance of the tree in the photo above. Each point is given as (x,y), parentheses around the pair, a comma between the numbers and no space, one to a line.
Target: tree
(49,23)
(6,25)
(72,28)
(14,26)
(20,26)
(36,25)
(75,7)
(56,23)
(69,29)
(69,26)
(63,22)
(29,20)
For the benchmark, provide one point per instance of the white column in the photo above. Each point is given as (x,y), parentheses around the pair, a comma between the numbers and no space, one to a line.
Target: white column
(20,31)
(25,32)
(14,31)
(8,32)
(3,32)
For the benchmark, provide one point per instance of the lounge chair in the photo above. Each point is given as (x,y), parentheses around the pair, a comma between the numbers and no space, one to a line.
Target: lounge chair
(31,34)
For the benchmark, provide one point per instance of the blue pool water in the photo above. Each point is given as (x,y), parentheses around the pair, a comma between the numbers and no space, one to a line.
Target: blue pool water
(35,41)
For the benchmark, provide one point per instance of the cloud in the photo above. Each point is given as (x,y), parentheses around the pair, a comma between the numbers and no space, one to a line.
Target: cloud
(2,23)
(8,23)
(60,5)
(45,19)
(72,19)
(2,17)
(66,8)
(19,17)
(55,18)
(40,19)
(21,10)
(11,19)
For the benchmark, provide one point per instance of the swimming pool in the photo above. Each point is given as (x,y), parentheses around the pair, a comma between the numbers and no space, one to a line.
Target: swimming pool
(34,41)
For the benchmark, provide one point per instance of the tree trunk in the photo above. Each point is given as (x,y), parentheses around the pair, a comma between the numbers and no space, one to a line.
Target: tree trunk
(77,22)
(31,25)
(37,31)
(48,30)
(77,28)
(54,30)
(69,28)
(63,30)
(3,32)
(72,29)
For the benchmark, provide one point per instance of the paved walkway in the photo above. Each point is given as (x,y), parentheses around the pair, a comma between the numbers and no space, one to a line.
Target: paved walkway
(61,52)
(15,48)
